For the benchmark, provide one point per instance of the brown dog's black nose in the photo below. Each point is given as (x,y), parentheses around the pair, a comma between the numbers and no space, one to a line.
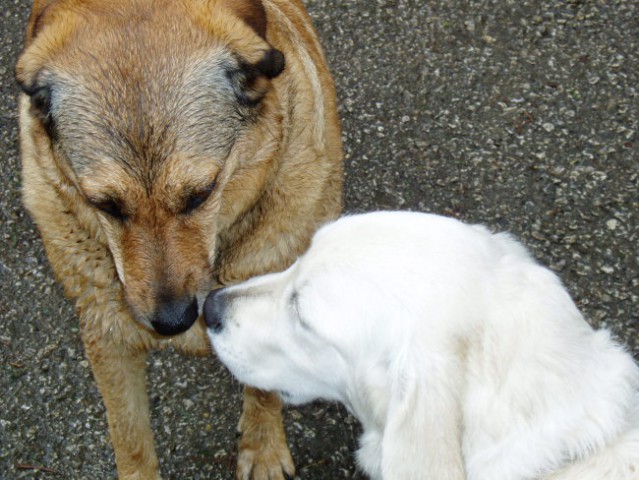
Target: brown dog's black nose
(175,316)
(213,310)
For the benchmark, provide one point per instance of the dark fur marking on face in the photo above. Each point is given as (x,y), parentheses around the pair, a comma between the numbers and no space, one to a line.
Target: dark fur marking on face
(239,80)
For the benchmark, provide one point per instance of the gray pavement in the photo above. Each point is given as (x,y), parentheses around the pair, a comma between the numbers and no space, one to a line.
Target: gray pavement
(523,115)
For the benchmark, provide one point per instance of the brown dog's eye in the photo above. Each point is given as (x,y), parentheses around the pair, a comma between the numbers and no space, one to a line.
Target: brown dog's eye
(111,207)
(198,198)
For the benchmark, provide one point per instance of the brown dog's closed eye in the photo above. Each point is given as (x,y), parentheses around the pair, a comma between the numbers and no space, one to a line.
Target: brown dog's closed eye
(194,200)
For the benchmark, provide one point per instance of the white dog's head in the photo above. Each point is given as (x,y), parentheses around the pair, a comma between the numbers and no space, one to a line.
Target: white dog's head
(259,331)
(301,332)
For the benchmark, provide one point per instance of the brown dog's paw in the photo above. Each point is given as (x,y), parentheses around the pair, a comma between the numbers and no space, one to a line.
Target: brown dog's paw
(267,461)
(262,450)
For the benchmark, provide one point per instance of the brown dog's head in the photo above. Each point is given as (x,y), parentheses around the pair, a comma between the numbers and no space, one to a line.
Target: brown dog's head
(159,114)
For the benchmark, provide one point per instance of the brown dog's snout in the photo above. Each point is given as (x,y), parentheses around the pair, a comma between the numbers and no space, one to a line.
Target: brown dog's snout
(175,316)
(214,310)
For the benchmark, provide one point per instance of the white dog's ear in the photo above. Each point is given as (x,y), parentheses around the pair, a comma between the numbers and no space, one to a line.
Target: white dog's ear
(422,438)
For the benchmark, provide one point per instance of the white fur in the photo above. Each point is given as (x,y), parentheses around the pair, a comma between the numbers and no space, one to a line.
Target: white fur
(461,356)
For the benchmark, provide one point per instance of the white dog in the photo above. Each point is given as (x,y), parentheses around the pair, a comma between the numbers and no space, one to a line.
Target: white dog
(462,357)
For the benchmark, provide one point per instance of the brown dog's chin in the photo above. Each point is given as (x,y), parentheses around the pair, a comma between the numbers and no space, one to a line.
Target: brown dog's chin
(170,330)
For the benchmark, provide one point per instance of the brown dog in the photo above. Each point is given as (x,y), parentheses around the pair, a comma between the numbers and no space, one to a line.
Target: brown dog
(169,147)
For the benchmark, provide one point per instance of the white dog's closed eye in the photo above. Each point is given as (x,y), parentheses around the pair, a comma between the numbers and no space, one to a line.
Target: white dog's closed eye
(296,312)
(462,357)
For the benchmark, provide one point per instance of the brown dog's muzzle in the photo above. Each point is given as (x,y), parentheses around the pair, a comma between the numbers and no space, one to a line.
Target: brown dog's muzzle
(164,269)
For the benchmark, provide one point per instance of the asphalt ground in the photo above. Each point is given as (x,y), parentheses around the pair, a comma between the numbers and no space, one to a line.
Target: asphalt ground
(522,115)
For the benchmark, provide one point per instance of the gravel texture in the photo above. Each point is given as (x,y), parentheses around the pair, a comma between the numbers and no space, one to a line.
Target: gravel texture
(522,115)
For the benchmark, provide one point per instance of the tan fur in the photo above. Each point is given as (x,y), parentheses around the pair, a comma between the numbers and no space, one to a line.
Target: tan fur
(274,185)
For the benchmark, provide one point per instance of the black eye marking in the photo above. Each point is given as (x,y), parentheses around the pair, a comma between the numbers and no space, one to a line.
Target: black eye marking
(198,198)
(111,207)
(41,107)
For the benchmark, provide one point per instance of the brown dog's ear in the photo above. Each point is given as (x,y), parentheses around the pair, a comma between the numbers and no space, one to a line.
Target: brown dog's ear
(251,12)
(251,81)
(40,97)
(37,19)
(272,64)
(28,68)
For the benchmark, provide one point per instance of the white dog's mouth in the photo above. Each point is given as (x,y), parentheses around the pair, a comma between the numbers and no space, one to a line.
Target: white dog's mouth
(293,398)
(287,397)
(255,352)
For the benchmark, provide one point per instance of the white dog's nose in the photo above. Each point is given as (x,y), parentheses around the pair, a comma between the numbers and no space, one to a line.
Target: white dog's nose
(214,310)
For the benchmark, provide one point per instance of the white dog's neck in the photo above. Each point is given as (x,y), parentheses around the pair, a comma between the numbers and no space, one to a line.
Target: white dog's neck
(366,394)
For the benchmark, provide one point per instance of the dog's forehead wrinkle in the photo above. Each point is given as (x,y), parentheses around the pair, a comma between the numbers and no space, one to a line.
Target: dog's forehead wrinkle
(159,91)
(192,118)
(128,138)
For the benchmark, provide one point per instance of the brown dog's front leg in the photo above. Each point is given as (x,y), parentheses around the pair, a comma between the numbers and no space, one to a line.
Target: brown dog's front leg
(262,452)
(121,378)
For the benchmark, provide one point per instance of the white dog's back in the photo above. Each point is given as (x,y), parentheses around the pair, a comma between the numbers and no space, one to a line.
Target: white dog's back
(542,389)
